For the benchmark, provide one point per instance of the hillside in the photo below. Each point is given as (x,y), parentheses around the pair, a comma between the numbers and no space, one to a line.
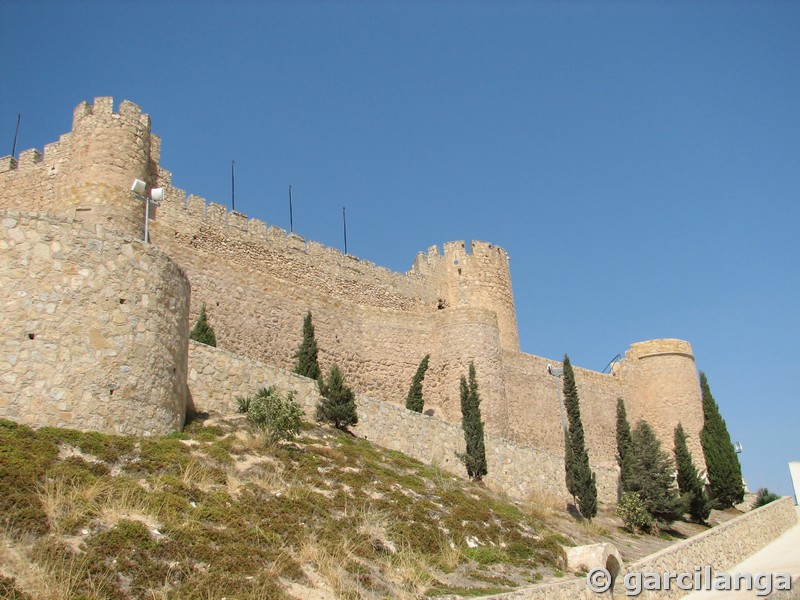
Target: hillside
(212,513)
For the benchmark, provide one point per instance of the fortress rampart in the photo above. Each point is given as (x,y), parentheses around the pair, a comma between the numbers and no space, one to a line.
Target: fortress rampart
(257,283)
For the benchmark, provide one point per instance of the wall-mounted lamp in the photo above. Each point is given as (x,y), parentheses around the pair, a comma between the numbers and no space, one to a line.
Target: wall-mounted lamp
(156,196)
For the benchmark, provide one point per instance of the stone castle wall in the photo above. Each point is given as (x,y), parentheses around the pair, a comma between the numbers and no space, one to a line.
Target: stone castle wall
(94,328)
(257,283)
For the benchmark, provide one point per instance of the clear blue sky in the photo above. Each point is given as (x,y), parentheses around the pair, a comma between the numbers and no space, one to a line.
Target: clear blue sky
(640,161)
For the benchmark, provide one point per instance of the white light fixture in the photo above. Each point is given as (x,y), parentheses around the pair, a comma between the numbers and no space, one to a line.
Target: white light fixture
(138,187)
(156,196)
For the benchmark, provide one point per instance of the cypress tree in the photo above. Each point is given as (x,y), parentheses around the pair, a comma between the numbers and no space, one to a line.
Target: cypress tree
(338,404)
(474,458)
(652,475)
(581,481)
(203,332)
(414,400)
(724,470)
(307,364)
(623,446)
(689,483)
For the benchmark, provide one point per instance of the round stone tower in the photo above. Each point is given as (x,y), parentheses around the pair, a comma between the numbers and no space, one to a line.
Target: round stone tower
(107,151)
(661,386)
(482,279)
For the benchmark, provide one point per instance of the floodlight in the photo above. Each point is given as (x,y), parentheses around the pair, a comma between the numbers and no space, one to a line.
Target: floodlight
(157,194)
(138,187)
(555,371)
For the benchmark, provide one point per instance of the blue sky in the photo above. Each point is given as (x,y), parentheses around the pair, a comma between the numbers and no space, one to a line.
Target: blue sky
(640,161)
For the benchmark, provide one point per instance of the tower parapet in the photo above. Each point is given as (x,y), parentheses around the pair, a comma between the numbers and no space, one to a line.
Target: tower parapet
(478,278)
(107,151)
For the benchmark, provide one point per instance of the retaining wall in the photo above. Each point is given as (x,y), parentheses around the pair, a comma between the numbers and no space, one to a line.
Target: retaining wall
(721,548)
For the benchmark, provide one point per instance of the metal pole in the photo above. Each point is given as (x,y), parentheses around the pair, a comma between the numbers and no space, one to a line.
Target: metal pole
(147,220)
(233,185)
(16,132)
(344,223)
(291,217)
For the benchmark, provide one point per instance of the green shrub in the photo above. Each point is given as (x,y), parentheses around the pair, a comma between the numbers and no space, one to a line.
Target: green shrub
(765,497)
(634,513)
(202,331)
(338,403)
(278,417)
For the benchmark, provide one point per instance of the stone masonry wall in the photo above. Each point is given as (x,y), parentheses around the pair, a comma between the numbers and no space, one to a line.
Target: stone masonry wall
(517,470)
(94,328)
(720,548)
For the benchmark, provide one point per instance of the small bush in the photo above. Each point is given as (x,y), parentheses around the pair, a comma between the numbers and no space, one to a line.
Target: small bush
(765,497)
(278,417)
(202,331)
(634,513)
(338,403)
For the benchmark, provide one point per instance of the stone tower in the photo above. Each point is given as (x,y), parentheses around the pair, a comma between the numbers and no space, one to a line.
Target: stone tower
(107,151)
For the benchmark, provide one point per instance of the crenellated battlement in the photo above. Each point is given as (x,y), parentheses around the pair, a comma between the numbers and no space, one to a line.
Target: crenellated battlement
(199,217)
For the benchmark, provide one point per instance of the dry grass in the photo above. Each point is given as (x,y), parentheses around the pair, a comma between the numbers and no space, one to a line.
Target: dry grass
(592,528)
(443,480)
(542,505)
(270,477)
(450,554)
(327,452)
(408,570)
(374,526)
(328,564)
(46,580)
(249,442)
(69,505)
(195,474)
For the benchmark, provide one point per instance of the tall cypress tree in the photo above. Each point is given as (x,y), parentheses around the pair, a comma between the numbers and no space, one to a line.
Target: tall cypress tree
(581,480)
(623,446)
(652,475)
(689,482)
(474,458)
(307,364)
(724,470)
(414,400)
(202,331)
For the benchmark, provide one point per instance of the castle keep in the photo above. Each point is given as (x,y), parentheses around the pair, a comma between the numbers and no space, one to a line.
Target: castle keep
(95,322)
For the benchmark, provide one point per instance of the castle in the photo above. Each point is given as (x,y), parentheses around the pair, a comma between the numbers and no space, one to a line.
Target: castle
(95,322)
